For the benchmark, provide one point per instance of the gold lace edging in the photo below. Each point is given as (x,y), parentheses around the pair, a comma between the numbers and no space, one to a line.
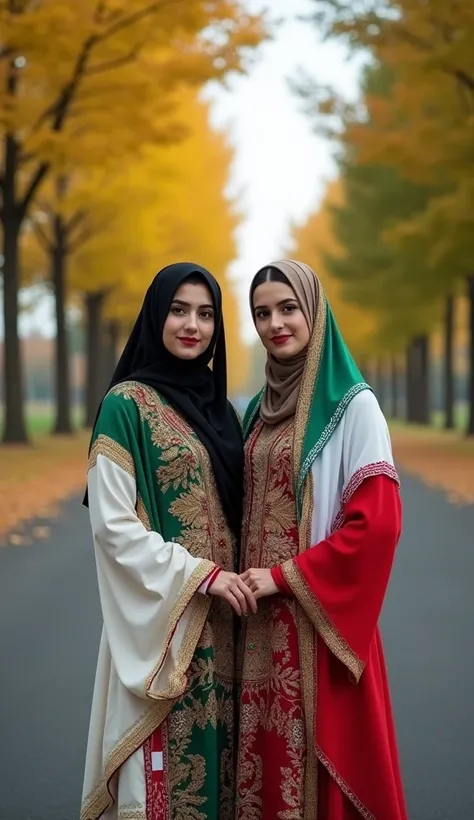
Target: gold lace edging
(307,650)
(106,446)
(100,798)
(333,640)
(193,633)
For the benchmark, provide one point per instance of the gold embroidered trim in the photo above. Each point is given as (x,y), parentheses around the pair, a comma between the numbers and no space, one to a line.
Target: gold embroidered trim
(177,682)
(364,811)
(106,446)
(307,652)
(308,665)
(100,799)
(334,641)
(142,514)
(313,361)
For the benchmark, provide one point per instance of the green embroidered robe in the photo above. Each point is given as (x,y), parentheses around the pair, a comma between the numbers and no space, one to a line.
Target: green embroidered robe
(161,735)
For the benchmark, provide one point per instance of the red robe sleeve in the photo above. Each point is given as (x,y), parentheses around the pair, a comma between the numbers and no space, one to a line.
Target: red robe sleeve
(341,582)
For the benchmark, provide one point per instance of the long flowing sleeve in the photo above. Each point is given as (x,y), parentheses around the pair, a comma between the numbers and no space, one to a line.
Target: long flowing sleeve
(341,581)
(152,616)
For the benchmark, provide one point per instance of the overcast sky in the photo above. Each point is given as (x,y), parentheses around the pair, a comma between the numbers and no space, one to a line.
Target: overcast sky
(280,166)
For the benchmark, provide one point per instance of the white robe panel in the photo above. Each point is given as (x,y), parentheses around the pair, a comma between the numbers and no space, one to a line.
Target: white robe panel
(151,613)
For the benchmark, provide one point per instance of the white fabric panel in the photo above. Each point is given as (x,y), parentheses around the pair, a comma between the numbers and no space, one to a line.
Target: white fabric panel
(361,439)
(141,578)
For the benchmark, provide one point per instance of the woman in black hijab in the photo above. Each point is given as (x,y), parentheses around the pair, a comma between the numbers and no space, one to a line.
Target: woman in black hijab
(164,494)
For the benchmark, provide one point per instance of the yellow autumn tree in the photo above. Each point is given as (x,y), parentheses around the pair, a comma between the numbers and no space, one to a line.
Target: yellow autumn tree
(67,67)
(169,204)
(313,242)
(423,129)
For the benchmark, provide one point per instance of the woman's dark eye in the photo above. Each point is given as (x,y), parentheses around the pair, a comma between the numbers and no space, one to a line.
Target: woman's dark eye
(207,315)
(177,311)
(289,308)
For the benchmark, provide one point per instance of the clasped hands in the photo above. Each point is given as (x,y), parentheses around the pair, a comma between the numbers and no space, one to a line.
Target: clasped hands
(243,591)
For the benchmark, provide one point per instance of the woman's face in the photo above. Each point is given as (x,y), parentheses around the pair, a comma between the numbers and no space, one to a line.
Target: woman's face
(189,326)
(279,320)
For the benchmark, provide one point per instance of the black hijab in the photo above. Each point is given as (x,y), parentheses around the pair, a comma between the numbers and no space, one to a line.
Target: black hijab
(190,386)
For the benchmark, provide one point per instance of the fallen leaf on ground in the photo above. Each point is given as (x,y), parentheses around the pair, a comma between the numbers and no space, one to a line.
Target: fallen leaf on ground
(442,460)
(35,480)
(41,532)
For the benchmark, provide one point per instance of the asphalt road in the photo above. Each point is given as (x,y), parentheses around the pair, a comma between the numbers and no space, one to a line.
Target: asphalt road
(49,631)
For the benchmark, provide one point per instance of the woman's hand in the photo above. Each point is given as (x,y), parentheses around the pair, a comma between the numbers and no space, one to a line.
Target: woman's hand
(260,582)
(229,585)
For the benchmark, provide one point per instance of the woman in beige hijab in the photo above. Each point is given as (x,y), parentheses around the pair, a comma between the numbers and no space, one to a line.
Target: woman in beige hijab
(322,517)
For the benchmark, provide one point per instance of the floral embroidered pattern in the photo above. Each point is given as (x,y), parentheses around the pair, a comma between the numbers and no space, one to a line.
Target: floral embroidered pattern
(270,528)
(272,736)
(198,733)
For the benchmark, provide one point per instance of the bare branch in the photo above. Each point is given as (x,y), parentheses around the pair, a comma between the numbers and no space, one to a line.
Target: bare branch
(89,233)
(136,17)
(42,236)
(75,220)
(108,65)
(425,45)
(59,109)
(35,182)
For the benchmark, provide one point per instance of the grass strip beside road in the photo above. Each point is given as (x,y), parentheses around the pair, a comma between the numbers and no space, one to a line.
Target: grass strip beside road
(442,459)
(35,479)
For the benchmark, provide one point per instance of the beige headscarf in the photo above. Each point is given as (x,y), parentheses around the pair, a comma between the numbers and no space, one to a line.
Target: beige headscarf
(283,376)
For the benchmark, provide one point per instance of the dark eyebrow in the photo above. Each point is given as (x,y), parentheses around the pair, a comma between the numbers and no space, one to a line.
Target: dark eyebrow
(279,304)
(186,304)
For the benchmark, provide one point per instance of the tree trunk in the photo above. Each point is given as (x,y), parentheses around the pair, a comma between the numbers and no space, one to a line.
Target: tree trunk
(449,363)
(63,423)
(417,381)
(394,410)
(420,384)
(112,343)
(95,355)
(409,412)
(380,382)
(14,425)
(470,424)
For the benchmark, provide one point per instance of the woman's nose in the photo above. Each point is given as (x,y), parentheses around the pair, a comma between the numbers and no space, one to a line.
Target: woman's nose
(191,321)
(276,321)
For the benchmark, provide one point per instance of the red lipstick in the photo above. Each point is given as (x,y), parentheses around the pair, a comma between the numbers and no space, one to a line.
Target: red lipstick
(280,340)
(188,341)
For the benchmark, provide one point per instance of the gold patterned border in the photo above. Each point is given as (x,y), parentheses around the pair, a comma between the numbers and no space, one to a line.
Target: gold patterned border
(335,642)
(100,798)
(313,361)
(142,513)
(193,633)
(308,659)
(307,651)
(345,788)
(106,446)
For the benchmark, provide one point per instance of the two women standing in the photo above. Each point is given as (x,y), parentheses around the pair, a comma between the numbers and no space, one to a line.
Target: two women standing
(302,728)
